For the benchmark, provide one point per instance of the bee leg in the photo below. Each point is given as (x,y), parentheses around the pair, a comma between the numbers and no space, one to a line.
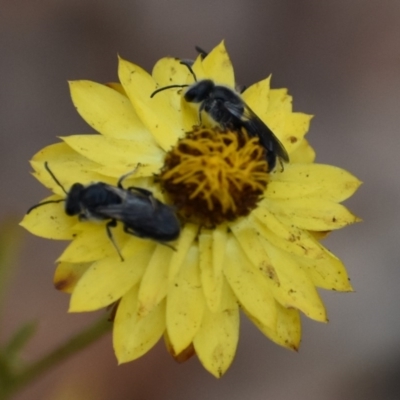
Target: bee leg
(130,231)
(240,88)
(271,160)
(145,192)
(123,177)
(109,225)
(201,108)
(282,165)
(168,245)
(140,190)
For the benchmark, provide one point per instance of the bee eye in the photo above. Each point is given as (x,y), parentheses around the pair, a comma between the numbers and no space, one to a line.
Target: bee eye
(72,202)
(192,96)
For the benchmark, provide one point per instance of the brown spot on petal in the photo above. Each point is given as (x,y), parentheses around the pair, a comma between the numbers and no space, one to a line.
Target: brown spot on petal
(319,235)
(293,139)
(185,355)
(270,271)
(113,310)
(292,346)
(66,284)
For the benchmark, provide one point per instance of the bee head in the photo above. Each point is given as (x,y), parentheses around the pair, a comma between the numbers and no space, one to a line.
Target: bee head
(72,202)
(199,91)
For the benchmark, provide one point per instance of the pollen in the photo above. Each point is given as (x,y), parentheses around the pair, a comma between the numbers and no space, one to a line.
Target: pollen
(214,175)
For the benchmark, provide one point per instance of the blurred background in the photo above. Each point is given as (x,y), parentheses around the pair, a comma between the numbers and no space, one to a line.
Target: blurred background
(341,62)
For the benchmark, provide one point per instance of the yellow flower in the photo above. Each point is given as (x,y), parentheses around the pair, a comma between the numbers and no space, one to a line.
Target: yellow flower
(249,238)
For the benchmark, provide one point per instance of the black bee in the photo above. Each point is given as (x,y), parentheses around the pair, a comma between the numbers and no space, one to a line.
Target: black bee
(140,212)
(227,108)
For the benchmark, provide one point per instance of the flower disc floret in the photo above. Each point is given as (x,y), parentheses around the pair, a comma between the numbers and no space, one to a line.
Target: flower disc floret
(214,175)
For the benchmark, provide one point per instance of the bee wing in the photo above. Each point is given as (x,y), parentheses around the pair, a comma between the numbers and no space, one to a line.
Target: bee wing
(134,207)
(256,127)
(133,194)
(144,219)
(121,212)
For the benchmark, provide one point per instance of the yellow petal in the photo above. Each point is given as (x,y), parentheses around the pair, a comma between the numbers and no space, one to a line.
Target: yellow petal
(311,213)
(287,237)
(66,164)
(60,152)
(327,273)
(67,175)
(217,338)
(109,151)
(92,243)
(70,167)
(184,355)
(107,280)
(117,86)
(280,270)
(212,285)
(248,238)
(280,101)
(257,97)
(157,113)
(274,108)
(133,335)
(199,70)
(218,66)
(190,111)
(185,303)
(319,235)
(312,180)
(112,173)
(50,221)
(67,275)
(212,254)
(295,287)
(186,238)
(108,111)
(303,153)
(190,115)
(288,331)
(250,287)
(170,71)
(154,284)
(220,239)
(289,128)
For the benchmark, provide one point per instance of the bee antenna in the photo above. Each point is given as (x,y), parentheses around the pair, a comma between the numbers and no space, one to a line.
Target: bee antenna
(202,52)
(46,165)
(43,203)
(166,87)
(189,67)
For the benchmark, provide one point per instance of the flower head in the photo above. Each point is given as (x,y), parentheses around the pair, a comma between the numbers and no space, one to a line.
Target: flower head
(249,236)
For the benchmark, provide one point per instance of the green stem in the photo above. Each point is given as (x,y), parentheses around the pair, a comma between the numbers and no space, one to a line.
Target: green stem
(72,346)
